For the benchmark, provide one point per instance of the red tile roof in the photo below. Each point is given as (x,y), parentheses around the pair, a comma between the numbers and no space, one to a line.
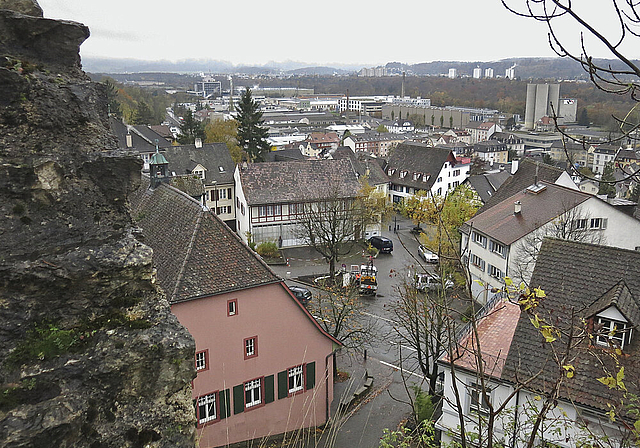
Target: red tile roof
(495,332)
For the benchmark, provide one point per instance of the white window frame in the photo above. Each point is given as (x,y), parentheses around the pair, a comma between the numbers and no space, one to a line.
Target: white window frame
(498,248)
(208,404)
(477,403)
(480,239)
(613,332)
(253,393)
(495,272)
(477,262)
(580,223)
(201,360)
(250,347)
(296,379)
(598,223)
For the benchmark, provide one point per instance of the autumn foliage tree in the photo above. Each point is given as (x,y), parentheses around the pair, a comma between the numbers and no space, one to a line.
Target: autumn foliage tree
(224,131)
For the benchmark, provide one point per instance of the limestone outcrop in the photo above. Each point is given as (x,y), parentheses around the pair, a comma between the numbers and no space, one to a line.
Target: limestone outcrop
(90,354)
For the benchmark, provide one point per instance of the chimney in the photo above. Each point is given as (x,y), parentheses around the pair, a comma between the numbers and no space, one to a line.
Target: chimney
(514,167)
(129,140)
(198,143)
(517,210)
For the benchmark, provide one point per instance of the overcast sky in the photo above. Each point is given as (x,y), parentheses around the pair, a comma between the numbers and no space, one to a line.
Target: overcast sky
(370,32)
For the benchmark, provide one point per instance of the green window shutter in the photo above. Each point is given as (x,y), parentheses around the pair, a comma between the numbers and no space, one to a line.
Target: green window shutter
(238,399)
(283,385)
(225,403)
(268,389)
(311,375)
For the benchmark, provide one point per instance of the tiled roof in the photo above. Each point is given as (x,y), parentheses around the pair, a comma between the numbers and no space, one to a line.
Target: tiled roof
(573,276)
(502,224)
(183,159)
(487,184)
(298,181)
(620,297)
(524,177)
(489,146)
(495,331)
(194,252)
(417,158)
(364,164)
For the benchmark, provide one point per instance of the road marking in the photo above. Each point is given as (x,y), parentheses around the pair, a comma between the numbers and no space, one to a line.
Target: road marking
(406,346)
(401,369)
(377,317)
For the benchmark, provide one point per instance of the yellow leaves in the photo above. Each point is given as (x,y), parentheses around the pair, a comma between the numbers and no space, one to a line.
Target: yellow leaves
(537,398)
(636,426)
(614,383)
(535,320)
(548,332)
(611,414)
(508,281)
(570,370)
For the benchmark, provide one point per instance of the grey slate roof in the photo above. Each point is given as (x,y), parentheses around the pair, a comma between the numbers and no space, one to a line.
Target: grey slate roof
(417,158)
(364,164)
(574,277)
(142,138)
(486,184)
(183,159)
(524,177)
(298,181)
(284,155)
(194,252)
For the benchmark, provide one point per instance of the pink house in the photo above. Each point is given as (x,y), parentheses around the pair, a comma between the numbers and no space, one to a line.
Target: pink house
(263,365)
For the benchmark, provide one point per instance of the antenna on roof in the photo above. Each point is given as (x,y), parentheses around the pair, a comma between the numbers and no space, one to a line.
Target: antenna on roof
(535,179)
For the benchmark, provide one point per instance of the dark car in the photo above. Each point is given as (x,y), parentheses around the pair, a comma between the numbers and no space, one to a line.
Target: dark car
(302,294)
(383,244)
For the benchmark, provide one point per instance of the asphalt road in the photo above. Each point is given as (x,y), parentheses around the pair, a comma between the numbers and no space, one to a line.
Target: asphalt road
(387,358)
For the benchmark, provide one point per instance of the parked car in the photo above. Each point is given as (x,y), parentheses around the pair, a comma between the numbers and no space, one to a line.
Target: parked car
(302,294)
(383,244)
(427,255)
(429,281)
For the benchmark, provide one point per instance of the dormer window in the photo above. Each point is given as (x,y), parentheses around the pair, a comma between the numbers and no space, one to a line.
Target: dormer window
(416,176)
(391,171)
(221,169)
(403,173)
(612,329)
(425,177)
(199,173)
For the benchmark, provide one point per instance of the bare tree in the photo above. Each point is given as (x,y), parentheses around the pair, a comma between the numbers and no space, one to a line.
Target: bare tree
(573,224)
(328,227)
(618,79)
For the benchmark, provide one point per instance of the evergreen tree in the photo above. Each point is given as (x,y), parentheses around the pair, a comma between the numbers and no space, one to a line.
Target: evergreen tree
(190,129)
(251,135)
(112,98)
(607,175)
(583,118)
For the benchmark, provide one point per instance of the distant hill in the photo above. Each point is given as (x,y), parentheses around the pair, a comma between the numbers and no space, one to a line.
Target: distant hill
(526,68)
(105,65)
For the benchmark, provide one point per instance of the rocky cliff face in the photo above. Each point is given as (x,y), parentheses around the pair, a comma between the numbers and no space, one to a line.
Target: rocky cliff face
(90,354)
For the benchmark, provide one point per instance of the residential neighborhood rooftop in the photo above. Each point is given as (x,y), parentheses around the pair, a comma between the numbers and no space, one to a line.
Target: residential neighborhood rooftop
(195,253)
(538,207)
(524,177)
(299,181)
(579,278)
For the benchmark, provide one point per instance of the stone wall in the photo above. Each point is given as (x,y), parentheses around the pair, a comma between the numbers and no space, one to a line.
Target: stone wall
(90,354)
